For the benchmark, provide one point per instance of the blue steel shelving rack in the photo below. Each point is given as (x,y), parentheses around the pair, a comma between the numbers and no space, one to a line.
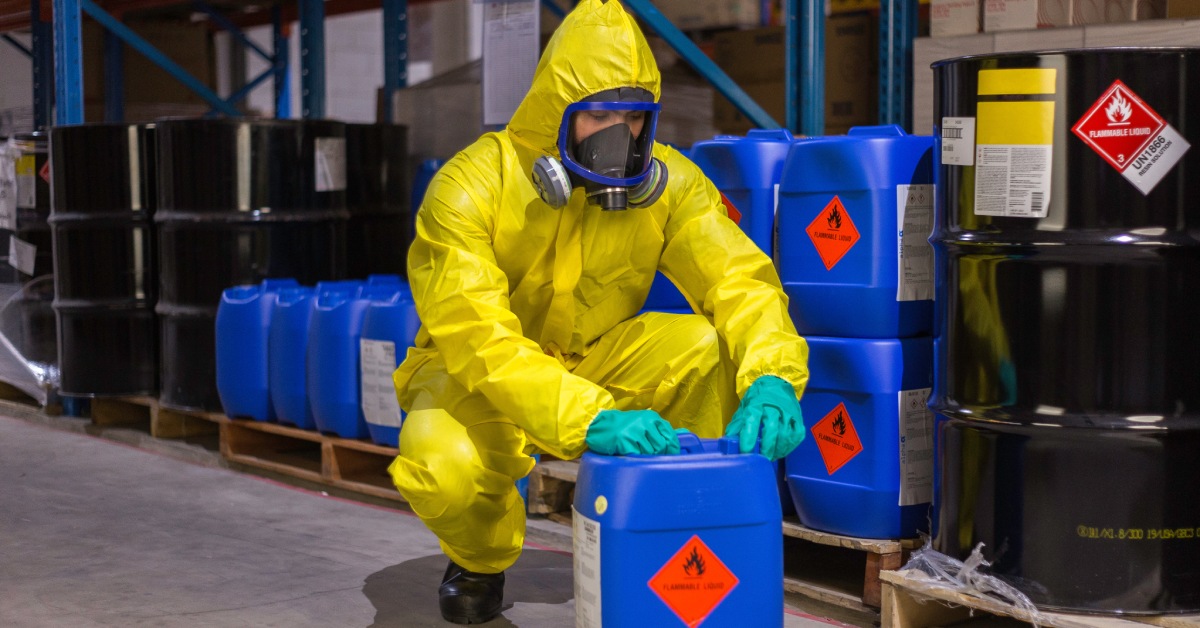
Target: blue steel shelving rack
(804,47)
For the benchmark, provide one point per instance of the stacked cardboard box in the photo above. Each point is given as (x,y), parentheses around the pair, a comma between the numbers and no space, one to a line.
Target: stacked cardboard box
(151,92)
(754,59)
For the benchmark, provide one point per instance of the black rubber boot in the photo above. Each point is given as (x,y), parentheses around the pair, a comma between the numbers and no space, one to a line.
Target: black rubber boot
(467,597)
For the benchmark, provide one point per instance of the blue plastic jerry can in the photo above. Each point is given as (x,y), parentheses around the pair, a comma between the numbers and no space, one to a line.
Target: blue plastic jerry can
(854,218)
(747,171)
(334,380)
(286,347)
(390,327)
(687,540)
(242,327)
(866,468)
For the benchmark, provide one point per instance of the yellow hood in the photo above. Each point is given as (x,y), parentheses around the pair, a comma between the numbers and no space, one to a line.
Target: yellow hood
(574,67)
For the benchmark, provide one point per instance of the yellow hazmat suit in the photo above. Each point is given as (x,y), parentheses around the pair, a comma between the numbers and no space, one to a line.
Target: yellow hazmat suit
(530,314)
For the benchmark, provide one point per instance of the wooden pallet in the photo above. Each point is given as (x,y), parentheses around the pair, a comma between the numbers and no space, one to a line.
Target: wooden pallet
(830,568)
(839,570)
(552,489)
(354,465)
(145,412)
(911,601)
(9,392)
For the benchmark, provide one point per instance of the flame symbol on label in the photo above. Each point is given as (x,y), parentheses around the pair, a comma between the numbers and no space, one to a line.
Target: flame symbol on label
(1118,109)
(694,565)
(839,425)
(835,218)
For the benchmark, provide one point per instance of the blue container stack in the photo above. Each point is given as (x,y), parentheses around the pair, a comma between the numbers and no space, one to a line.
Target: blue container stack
(678,540)
(294,354)
(747,170)
(242,328)
(855,213)
(390,326)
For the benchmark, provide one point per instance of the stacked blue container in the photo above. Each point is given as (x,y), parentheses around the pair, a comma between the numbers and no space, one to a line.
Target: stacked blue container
(855,213)
(747,171)
(242,328)
(389,327)
(333,354)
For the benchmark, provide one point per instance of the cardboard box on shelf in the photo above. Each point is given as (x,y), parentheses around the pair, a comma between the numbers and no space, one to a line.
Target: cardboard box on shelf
(953,17)
(1009,15)
(185,43)
(1117,11)
(1055,13)
(1183,8)
(704,14)
(755,60)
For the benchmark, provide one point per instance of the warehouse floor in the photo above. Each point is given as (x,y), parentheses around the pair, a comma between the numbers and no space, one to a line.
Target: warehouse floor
(100,533)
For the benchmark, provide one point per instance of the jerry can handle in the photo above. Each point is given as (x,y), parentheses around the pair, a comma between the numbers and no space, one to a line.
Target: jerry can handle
(689,443)
(881,130)
(782,135)
(275,284)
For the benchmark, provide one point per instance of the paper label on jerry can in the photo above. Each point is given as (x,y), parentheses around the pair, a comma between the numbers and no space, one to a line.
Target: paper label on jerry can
(585,543)
(916,447)
(377,361)
(914,208)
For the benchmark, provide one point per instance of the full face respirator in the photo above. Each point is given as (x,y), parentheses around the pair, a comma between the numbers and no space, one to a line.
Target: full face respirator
(606,148)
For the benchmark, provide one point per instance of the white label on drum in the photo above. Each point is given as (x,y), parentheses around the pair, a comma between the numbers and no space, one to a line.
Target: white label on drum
(916,448)
(377,359)
(586,546)
(8,189)
(21,254)
(26,182)
(958,141)
(330,156)
(914,217)
(1012,180)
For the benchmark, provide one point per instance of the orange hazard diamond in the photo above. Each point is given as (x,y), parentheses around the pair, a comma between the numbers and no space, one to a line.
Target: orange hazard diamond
(44,173)
(832,232)
(836,438)
(693,582)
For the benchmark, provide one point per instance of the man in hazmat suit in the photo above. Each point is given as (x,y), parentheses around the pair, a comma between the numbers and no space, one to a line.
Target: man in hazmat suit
(534,252)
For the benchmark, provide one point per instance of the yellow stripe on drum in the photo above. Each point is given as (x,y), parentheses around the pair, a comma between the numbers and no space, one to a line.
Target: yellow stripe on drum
(1005,82)
(1021,122)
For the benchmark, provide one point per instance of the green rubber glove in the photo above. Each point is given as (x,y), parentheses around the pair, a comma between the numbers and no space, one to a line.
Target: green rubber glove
(621,432)
(770,409)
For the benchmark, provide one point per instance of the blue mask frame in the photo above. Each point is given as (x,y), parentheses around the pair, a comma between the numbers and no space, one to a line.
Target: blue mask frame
(648,133)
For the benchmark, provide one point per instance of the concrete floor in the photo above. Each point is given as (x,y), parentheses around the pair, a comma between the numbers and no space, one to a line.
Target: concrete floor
(99,533)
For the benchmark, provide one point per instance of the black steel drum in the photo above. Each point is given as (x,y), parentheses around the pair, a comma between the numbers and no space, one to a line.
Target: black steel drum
(104,256)
(239,201)
(377,197)
(1068,294)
